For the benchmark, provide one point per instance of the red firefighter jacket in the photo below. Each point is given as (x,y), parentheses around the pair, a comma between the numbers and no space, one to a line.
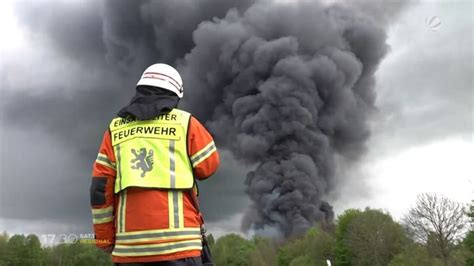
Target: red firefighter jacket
(145,225)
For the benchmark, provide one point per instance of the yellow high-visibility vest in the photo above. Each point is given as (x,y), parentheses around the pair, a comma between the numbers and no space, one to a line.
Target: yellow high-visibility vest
(152,153)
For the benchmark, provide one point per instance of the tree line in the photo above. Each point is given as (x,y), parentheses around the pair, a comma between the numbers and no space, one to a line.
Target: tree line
(436,231)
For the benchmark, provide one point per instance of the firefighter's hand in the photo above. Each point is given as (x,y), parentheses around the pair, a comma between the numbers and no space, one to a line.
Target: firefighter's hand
(108,249)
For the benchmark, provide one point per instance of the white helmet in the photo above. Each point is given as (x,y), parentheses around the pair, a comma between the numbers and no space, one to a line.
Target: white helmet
(163,76)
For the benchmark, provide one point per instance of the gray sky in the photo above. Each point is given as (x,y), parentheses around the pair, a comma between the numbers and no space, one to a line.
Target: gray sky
(422,132)
(438,119)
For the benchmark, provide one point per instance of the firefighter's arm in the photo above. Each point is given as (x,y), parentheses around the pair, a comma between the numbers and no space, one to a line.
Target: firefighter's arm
(202,150)
(102,195)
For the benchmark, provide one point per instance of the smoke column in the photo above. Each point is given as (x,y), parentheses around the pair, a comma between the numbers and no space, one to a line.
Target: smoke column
(287,87)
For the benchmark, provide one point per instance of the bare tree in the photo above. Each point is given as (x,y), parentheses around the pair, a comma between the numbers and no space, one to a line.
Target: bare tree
(437,220)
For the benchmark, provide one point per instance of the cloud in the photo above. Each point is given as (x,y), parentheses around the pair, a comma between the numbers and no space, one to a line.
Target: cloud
(60,90)
(79,37)
(426,83)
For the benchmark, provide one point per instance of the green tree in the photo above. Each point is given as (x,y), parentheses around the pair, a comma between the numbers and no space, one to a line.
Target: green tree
(469,239)
(414,255)
(469,243)
(304,260)
(48,256)
(210,240)
(316,246)
(34,253)
(342,252)
(3,247)
(78,254)
(373,238)
(19,250)
(267,249)
(234,250)
(459,256)
(15,249)
(87,254)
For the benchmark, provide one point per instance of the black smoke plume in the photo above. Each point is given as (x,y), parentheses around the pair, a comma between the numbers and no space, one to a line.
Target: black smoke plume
(287,87)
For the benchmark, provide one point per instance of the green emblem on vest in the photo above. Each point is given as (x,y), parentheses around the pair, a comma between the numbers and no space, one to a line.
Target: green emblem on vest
(142,161)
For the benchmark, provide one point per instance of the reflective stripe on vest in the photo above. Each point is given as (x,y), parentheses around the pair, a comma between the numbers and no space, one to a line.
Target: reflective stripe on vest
(121,211)
(152,153)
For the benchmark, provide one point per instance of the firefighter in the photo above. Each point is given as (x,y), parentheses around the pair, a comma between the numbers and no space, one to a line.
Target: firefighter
(143,191)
